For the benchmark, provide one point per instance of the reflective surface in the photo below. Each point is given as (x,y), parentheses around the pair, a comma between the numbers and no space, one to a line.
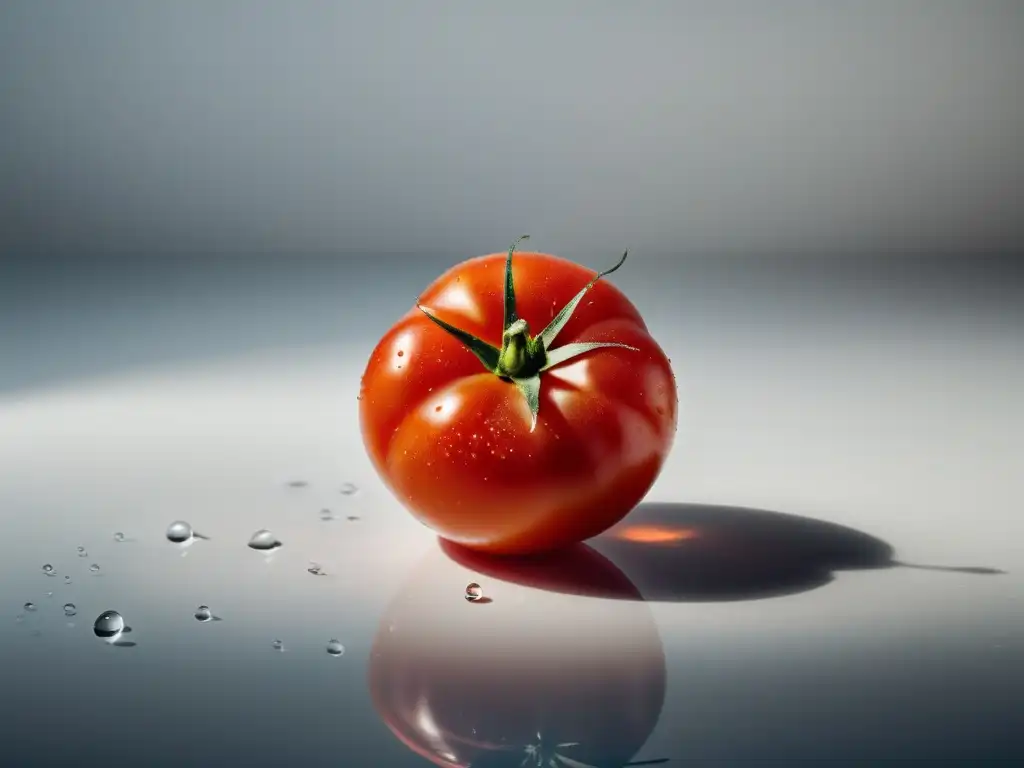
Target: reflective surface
(780,594)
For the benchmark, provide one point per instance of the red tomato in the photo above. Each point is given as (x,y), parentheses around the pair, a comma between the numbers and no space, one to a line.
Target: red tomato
(455,436)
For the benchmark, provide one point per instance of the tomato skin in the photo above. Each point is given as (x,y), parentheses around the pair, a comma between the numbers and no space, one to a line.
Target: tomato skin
(452,441)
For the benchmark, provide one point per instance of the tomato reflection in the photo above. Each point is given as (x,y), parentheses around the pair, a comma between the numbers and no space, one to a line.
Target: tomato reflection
(531,675)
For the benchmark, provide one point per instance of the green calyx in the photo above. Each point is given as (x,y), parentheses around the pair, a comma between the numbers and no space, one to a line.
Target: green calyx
(522,357)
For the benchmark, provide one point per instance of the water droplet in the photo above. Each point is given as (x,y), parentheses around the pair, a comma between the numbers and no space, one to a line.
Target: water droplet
(473,592)
(69,609)
(94,568)
(82,552)
(29,606)
(352,518)
(316,569)
(326,514)
(48,570)
(297,484)
(203,613)
(349,489)
(179,532)
(335,648)
(67,579)
(49,594)
(401,353)
(277,645)
(108,624)
(264,541)
(118,536)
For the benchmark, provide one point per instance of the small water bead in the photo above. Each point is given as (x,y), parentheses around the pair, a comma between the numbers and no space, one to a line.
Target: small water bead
(29,606)
(179,532)
(118,536)
(82,552)
(70,609)
(203,613)
(326,514)
(48,570)
(94,568)
(49,594)
(349,489)
(335,648)
(473,592)
(316,569)
(67,579)
(277,645)
(264,541)
(108,624)
(297,484)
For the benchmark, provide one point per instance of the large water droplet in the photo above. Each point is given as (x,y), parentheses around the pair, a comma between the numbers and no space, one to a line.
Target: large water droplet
(264,541)
(108,624)
(82,552)
(277,645)
(473,592)
(349,489)
(203,613)
(335,648)
(118,536)
(70,609)
(94,568)
(29,606)
(48,570)
(179,532)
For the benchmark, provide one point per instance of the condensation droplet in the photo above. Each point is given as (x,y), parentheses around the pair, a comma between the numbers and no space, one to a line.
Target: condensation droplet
(264,541)
(29,606)
(316,569)
(277,645)
(70,609)
(335,648)
(118,536)
(94,568)
(108,624)
(203,613)
(67,579)
(349,489)
(473,592)
(82,552)
(326,514)
(48,570)
(179,532)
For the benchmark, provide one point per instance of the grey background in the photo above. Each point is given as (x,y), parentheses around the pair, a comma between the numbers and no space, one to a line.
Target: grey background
(209,213)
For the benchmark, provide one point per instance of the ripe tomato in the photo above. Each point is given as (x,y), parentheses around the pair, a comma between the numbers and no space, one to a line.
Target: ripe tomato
(510,443)
(559,680)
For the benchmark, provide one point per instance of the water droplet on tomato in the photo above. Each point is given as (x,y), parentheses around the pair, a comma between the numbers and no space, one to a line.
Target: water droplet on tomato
(437,409)
(401,353)
(473,592)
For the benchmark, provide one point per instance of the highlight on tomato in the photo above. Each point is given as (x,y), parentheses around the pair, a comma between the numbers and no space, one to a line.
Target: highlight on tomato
(510,442)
